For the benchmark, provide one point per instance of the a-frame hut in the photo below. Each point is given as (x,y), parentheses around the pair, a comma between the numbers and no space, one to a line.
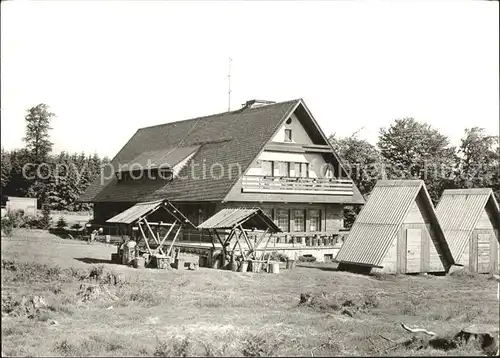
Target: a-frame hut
(470,219)
(396,232)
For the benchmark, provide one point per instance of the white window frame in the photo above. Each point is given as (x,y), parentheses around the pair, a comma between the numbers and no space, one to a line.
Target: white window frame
(318,216)
(299,213)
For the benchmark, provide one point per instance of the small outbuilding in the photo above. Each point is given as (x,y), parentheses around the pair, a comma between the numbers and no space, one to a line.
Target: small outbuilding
(470,219)
(397,231)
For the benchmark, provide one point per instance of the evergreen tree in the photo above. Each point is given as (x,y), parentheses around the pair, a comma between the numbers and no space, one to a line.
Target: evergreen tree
(38,146)
(37,137)
(18,181)
(6,168)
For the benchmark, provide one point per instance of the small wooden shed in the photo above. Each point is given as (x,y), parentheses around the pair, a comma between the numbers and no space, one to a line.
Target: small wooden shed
(470,219)
(397,231)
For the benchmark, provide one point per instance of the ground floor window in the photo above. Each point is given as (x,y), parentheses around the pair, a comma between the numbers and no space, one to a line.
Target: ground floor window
(283,220)
(299,220)
(314,220)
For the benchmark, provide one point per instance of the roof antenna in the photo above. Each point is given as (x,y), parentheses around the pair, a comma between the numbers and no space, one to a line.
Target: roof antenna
(229,87)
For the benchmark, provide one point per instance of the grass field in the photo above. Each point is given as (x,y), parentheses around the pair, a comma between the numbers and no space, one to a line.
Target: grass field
(220,313)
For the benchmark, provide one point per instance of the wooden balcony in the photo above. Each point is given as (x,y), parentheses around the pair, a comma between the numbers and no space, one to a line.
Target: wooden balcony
(287,185)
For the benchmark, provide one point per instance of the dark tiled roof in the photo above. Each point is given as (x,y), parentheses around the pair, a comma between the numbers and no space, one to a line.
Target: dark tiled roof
(167,157)
(227,138)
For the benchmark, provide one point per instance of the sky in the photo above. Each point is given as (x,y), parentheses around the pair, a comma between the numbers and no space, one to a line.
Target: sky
(107,68)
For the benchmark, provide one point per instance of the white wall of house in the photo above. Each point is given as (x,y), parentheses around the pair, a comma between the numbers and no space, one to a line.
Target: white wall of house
(299,134)
(317,164)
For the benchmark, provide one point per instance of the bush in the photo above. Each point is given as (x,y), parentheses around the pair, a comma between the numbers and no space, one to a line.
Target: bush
(259,345)
(76,226)
(46,219)
(17,218)
(61,223)
(7,226)
(174,348)
(307,258)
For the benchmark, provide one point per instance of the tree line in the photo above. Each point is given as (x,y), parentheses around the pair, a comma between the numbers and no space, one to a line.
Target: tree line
(409,149)
(55,179)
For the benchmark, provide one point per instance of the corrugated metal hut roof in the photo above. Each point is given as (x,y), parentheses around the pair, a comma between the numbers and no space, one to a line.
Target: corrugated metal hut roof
(458,212)
(249,218)
(377,223)
(139,210)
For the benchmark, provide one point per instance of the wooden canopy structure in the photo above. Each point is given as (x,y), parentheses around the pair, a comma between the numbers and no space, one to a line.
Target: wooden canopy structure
(162,215)
(235,223)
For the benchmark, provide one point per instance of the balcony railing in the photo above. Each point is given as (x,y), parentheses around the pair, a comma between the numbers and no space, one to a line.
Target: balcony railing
(282,185)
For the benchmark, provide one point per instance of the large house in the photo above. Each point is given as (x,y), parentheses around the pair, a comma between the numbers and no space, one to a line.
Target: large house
(268,155)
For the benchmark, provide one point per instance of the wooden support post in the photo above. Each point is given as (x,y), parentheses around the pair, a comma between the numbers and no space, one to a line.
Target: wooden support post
(165,237)
(151,231)
(145,237)
(228,240)
(259,241)
(239,244)
(211,238)
(218,237)
(265,247)
(223,249)
(173,241)
(250,247)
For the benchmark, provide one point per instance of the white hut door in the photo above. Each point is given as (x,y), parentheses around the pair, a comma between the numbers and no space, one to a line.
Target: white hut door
(413,250)
(483,253)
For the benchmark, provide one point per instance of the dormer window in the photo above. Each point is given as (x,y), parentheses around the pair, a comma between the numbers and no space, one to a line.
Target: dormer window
(288,135)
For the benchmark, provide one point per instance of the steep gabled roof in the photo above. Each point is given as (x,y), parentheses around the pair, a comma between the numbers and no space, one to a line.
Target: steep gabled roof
(378,222)
(229,140)
(226,138)
(458,212)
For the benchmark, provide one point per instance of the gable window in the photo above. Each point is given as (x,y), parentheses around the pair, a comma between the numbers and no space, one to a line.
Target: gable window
(314,220)
(299,221)
(283,169)
(301,170)
(283,220)
(304,170)
(267,168)
(288,135)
